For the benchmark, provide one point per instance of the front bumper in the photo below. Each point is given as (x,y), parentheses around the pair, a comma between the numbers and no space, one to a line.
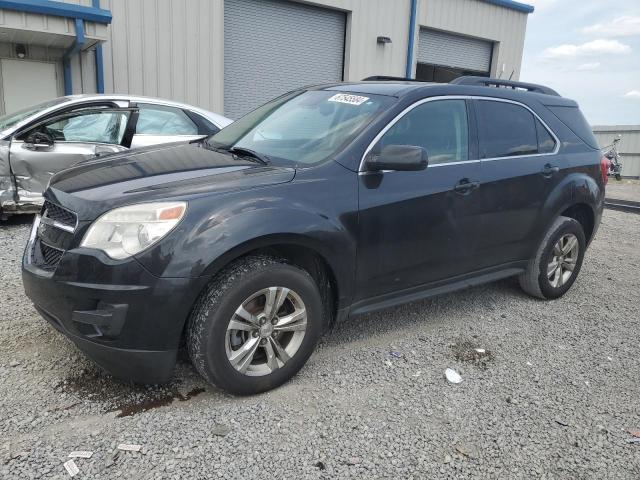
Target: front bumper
(122,317)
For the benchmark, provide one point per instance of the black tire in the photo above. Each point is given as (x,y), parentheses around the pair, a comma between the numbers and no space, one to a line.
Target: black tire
(207,328)
(534,280)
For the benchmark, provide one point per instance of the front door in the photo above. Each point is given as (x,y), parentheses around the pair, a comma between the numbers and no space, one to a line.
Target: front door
(62,141)
(419,227)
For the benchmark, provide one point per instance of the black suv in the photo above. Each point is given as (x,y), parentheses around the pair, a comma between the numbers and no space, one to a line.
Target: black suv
(325,203)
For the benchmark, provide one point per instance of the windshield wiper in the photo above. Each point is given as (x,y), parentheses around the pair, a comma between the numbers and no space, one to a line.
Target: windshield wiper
(246,152)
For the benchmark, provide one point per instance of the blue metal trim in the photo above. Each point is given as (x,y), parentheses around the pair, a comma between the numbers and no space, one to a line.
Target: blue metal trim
(58,9)
(521,7)
(99,60)
(412,36)
(66,58)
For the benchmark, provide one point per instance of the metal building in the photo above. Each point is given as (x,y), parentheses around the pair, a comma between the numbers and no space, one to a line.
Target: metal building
(229,56)
(629,147)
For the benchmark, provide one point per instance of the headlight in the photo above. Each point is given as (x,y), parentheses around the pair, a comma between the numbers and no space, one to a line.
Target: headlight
(125,231)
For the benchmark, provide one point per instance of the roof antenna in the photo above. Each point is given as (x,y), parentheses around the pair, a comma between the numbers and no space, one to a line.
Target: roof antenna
(511,76)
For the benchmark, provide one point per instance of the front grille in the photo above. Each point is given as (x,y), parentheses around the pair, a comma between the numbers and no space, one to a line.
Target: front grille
(53,236)
(47,257)
(59,214)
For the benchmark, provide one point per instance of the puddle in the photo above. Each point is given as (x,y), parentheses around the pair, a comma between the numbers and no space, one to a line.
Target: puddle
(466,352)
(95,386)
(127,410)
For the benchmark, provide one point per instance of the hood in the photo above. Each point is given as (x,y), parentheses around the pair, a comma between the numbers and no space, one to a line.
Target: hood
(154,174)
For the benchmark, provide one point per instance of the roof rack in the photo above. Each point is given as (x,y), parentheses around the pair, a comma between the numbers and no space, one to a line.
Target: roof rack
(495,82)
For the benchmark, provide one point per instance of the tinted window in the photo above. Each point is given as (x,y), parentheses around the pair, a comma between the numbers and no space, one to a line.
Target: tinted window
(572,117)
(440,127)
(505,130)
(546,143)
(103,127)
(161,120)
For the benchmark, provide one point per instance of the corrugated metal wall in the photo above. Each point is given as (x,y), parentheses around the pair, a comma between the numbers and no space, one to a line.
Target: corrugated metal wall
(629,147)
(175,48)
(505,27)
(166,48)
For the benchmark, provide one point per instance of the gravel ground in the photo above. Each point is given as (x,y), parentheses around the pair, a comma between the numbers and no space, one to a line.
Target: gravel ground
(554,395)
(624,190)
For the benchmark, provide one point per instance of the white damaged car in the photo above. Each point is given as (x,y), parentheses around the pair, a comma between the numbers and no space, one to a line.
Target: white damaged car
(44,139)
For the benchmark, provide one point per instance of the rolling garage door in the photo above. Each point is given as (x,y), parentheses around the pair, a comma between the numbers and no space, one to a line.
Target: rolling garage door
(444,56)
(271,47)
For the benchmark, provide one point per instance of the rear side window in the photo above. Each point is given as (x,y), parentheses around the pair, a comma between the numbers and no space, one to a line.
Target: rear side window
(440,127)
(546,143)
(506,130)
(572,117)
(162,120)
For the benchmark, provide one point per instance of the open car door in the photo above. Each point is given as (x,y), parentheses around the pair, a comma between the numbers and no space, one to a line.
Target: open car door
(59,142)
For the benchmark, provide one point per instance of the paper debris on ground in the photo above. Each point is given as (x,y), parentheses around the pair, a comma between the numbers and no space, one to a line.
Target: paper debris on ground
(81,454)
(71,468)
(129,447)
(480,350)
(452,375)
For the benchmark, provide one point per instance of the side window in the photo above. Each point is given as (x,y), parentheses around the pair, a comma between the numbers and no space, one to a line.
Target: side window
(93,127)
(505,130)
(546,143)
(440,127)
(161,120)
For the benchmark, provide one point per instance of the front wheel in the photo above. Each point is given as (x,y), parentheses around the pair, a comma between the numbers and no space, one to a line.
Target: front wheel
(256,325)
(558,259)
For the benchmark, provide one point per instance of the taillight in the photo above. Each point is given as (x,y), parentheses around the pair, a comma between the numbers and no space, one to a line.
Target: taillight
(604,169)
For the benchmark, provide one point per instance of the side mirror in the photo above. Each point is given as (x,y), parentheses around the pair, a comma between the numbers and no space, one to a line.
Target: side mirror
(38,140)
(398,157)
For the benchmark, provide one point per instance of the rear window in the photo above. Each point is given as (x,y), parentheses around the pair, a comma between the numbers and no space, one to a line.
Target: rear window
(572,117)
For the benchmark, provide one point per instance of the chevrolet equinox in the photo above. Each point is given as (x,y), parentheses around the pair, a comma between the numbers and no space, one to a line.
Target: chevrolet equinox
(325,203)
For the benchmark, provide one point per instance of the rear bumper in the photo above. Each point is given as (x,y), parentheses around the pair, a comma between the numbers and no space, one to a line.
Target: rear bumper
(125,319)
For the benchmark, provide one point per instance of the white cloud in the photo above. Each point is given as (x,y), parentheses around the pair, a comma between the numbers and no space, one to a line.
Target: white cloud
(624,26)
(593,48)
(589,66)
(633,94)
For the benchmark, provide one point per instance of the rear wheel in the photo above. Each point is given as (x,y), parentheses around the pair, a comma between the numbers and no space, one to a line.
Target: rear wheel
(255,326)
(557,262)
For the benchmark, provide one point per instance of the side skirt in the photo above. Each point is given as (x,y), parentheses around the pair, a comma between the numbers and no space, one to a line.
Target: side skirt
(436,288)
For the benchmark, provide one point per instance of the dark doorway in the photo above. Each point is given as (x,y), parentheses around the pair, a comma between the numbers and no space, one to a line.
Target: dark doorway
(427,72)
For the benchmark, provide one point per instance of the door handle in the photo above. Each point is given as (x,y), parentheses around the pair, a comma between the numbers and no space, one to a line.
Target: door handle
(549,170)
(465,186)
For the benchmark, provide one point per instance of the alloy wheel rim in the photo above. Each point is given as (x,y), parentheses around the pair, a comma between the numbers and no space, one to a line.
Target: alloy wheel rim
(266,331)
(563,261)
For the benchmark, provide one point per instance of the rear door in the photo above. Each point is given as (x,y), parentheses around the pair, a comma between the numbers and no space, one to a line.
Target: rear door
(62,141)
(166,124)
(520,168)
(420,227)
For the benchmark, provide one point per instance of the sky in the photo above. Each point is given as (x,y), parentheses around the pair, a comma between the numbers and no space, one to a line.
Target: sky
(587,50)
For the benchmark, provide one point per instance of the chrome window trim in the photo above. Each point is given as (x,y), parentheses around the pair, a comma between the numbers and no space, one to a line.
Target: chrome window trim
(459,97)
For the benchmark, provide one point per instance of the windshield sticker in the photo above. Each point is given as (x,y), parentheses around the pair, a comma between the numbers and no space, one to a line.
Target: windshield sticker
(348,99)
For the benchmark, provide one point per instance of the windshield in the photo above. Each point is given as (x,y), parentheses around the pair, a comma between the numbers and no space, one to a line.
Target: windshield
(302,128)
(8,121)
